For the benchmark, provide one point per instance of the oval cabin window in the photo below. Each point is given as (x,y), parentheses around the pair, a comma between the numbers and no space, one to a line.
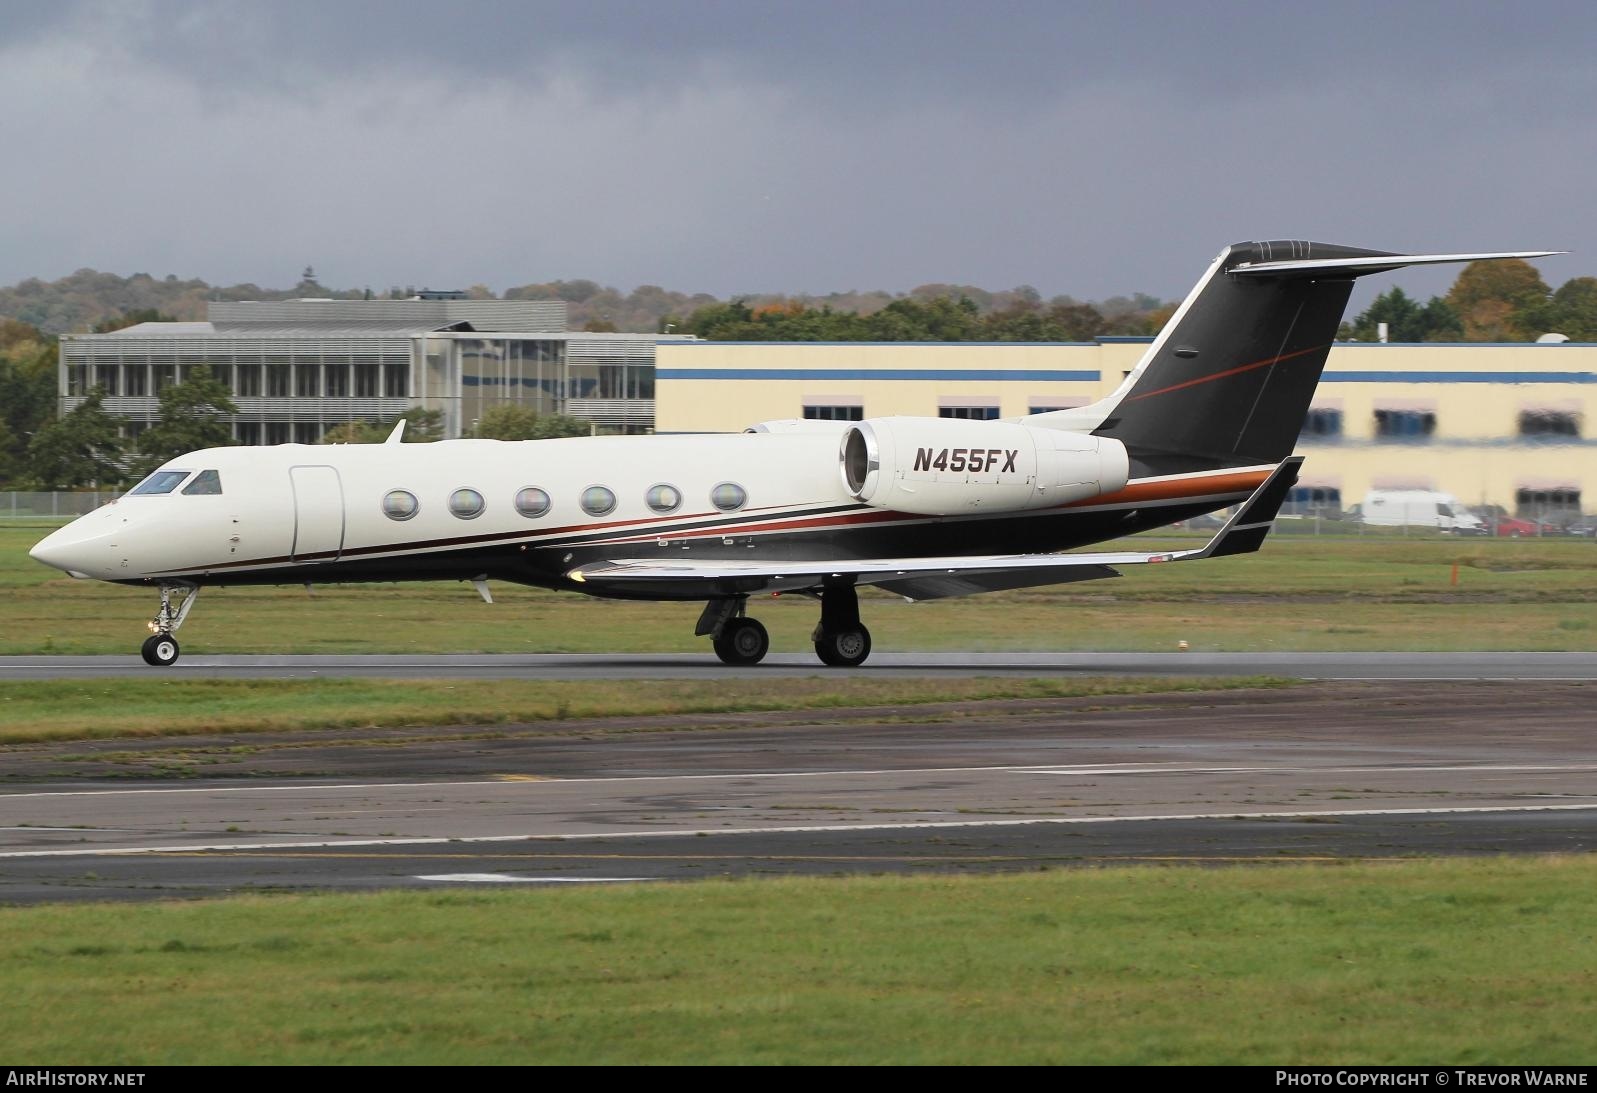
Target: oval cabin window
(598,500)
(466,504)
(664,498)
(532,502)
(400,505)
(729,497)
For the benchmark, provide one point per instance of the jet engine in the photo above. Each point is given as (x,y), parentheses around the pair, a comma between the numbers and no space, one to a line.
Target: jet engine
(947,466)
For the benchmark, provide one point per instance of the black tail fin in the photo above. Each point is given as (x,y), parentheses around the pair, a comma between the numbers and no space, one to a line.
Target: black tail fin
(1231,375)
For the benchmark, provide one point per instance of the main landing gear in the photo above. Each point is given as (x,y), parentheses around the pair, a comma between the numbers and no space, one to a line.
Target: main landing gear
(160,648)
(840,639)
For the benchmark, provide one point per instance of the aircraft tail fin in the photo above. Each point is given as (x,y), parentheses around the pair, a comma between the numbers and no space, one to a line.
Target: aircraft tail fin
(1231,376)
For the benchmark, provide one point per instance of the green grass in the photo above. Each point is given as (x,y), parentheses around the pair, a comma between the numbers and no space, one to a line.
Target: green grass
(86,710)
(1298,593)
(1450,962)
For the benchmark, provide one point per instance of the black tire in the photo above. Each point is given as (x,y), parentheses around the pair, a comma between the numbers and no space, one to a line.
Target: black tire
(160,650)
(742,642)
(843,648)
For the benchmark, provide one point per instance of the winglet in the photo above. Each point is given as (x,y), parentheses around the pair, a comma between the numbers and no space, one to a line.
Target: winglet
(1245,532)
(397,436)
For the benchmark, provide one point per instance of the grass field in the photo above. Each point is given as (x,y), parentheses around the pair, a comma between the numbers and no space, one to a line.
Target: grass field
(1298,593)
(1452,962)
(91,710)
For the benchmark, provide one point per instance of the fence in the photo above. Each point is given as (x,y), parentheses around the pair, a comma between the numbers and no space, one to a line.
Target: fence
(17,505)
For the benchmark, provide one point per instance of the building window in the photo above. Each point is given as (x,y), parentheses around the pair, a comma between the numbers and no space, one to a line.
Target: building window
(249,432)
(1405,424)
(305,381)
(663,498)
(248,381)
(1323,424)
(337,380)
(729,496)
(1543,504)
(400,505)
(1313,501)
(277,432)
(971,413)
(598,500)
(307,432)
(136,381)
(532,502)
(466,504)
(834,413)
(1549,423)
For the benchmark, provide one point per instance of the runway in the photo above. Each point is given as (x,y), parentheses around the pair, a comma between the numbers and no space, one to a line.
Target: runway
(1327,666)
(1322,770)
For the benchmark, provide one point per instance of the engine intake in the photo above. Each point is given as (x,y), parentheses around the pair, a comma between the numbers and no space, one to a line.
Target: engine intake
(946,466)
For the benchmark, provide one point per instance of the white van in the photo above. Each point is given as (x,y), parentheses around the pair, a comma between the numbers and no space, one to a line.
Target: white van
(1419,508)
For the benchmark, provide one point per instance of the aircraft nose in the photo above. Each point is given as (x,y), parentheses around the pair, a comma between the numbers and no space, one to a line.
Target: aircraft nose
(65,550)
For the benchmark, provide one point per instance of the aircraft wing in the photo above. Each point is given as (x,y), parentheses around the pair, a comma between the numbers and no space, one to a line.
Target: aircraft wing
(934,577)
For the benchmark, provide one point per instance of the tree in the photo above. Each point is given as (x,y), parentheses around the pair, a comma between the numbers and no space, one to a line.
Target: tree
(1573,310)
(1406,320)
(508,421)
(1499,301)
(83,448)
(132,318)
(421,427)
(27,387)
(191,419)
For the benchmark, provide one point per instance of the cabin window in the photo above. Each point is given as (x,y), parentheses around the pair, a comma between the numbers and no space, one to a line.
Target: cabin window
(729,497)
(160,482)
(664,498)
(400,505)
(466,504)
(532,502)
(598,500)
(205,483)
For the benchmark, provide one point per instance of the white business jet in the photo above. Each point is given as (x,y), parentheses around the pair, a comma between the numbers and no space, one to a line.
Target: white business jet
(924,507)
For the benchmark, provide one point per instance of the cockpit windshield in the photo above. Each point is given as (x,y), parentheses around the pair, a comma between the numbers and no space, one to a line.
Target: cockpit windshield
(160,482)
(206,482)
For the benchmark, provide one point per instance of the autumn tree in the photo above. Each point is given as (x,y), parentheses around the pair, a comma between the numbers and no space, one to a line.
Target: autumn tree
(1499,300)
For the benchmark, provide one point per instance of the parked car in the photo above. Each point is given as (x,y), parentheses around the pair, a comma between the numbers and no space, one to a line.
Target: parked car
(1507,526)
(1583,526)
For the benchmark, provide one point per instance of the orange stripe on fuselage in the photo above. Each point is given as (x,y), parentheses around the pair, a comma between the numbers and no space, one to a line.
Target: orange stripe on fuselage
(1172,489)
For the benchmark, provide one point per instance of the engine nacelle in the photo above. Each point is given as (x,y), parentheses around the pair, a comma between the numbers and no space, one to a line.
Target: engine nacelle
(946,466)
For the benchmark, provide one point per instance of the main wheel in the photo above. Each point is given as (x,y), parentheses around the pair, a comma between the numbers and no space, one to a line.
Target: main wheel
(160,650)
(844,648)
(742,641)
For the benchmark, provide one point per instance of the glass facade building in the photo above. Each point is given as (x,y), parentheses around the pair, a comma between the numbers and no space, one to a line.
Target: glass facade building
(297,368)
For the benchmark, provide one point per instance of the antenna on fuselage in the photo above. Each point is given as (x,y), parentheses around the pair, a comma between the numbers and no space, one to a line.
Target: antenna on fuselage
(398,433)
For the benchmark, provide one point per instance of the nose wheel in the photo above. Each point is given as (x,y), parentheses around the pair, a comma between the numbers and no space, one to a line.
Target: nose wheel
(160,650)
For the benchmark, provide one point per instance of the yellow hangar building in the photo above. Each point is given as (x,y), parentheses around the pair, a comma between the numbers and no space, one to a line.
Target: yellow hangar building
(1498,424)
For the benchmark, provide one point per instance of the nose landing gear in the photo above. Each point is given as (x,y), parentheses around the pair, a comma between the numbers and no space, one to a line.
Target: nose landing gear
(160,648)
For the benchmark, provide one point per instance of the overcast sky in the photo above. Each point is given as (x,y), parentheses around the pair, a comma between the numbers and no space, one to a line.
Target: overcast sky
(1084,148)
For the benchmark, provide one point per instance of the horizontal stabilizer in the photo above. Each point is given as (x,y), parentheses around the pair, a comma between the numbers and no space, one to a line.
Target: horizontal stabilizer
(1359,267)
